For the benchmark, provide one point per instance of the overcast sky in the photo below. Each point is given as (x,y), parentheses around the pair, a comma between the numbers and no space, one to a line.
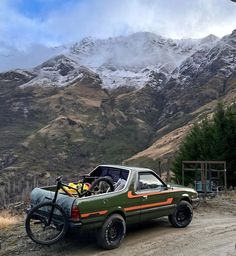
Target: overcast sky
(54,22)
(29,29)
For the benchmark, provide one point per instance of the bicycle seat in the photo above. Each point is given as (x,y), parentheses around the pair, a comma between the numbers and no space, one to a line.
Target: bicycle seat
(59,178)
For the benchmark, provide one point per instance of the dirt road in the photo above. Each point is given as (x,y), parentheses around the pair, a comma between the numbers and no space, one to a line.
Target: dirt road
(212,233)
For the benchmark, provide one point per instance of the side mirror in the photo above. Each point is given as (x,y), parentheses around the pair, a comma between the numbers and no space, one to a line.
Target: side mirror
(168,186)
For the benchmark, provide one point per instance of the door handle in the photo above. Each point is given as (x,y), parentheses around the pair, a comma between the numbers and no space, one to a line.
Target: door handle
(145,197)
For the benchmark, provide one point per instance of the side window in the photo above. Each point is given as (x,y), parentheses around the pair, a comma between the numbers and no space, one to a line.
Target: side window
(148,181)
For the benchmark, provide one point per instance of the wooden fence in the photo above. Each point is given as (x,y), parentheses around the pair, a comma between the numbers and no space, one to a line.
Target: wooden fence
(15,190)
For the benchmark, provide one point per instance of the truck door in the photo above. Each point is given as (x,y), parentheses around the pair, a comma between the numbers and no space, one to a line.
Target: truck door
(156,199)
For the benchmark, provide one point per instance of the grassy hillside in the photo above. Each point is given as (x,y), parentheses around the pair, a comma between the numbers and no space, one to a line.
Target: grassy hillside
(70,130)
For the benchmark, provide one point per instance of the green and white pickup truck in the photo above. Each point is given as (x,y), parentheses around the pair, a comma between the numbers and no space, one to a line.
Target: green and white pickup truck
(133,195)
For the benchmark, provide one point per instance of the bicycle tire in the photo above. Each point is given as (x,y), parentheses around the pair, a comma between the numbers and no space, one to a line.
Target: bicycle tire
(40,213)
(106,179)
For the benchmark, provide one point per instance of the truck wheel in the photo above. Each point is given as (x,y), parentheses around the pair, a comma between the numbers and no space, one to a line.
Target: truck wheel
(112,232)
(182,216)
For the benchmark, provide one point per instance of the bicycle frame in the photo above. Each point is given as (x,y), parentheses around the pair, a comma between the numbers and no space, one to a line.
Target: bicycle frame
(61,185)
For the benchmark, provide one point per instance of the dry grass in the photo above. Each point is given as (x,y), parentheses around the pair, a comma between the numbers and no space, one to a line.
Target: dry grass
(6,219)
(167,144)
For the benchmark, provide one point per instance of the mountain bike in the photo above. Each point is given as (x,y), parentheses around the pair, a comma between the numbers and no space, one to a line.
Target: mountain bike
(47,223)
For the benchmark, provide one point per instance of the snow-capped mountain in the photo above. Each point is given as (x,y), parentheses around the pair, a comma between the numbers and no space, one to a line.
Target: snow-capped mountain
(206,62)
(136,60)
(60,71)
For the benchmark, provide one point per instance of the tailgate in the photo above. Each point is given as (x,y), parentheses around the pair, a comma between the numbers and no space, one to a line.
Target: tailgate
(40,195)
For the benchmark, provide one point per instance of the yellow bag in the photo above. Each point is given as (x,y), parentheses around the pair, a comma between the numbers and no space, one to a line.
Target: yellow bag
(78,187)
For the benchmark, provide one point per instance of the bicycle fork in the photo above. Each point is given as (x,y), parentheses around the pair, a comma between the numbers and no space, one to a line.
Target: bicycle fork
(53,203)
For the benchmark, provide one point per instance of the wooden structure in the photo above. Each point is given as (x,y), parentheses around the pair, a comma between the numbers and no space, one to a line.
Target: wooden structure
(206,170)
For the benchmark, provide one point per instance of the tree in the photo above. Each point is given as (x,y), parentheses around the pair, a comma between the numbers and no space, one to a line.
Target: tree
(213,139)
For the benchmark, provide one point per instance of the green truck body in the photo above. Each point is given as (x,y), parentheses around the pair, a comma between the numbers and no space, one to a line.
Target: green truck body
(142,197)
(132,202)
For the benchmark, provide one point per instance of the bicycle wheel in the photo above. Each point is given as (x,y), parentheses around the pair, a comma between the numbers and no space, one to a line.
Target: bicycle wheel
(38,227)
(102,185)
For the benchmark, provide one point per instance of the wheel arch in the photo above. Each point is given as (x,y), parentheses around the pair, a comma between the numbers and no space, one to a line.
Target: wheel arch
(186,198)
(117,211)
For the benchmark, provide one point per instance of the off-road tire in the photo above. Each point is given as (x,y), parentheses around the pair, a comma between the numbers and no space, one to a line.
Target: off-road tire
(112,232)
(182,216)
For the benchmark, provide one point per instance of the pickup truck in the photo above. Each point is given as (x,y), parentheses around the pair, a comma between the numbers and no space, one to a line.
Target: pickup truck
(138,195)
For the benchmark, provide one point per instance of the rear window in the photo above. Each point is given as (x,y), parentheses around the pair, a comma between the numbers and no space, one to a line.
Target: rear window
(115,173)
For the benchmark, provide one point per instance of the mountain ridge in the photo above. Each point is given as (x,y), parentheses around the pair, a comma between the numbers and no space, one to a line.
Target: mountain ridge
(127,61)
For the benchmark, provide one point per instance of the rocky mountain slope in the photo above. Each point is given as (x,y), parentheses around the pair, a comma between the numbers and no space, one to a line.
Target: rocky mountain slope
(104,101)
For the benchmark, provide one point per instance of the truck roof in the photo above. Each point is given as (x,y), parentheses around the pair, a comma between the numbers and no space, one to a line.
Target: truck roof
(129,168)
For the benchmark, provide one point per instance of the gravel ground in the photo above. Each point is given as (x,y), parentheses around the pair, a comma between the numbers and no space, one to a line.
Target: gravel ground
(211,233)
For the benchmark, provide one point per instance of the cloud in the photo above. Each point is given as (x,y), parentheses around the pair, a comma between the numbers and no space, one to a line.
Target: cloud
(12,58)
(172,18)
(103,18)
(29,28)
(16,29)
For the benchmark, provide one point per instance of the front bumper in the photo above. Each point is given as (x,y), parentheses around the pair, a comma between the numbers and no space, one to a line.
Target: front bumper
(195,202)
